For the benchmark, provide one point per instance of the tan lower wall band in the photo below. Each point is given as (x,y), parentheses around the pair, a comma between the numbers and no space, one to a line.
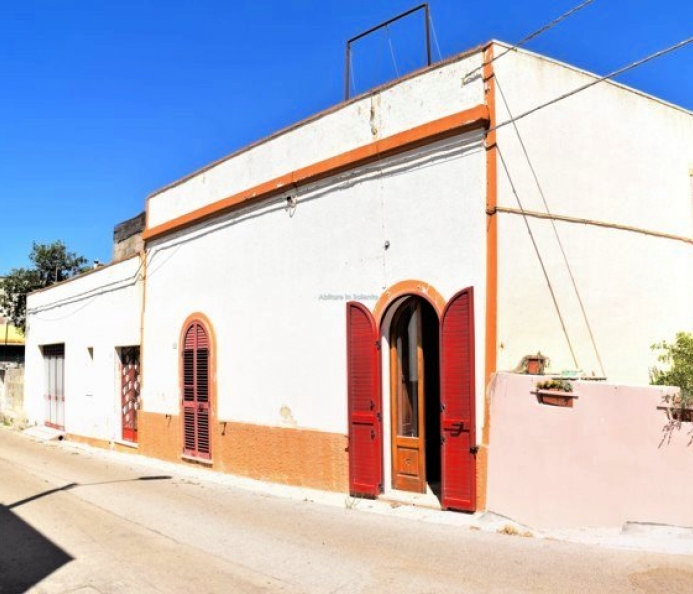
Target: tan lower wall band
(298,457)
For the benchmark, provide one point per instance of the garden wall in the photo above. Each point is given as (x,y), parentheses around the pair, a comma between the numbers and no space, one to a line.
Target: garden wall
(12,394)
(613,457)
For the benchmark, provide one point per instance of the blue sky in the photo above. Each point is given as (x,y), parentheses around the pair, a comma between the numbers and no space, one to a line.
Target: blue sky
(102,103)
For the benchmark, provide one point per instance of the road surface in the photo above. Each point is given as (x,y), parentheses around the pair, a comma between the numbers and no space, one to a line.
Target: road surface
(75,520)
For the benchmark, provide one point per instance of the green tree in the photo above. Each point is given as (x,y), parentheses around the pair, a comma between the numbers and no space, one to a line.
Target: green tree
(677,358)
(52,263)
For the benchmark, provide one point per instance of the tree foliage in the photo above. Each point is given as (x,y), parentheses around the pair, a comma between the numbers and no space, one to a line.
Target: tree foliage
(52,263)
(677,358)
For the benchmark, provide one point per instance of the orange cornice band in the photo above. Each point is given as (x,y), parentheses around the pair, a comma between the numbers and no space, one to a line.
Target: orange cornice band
(469,119)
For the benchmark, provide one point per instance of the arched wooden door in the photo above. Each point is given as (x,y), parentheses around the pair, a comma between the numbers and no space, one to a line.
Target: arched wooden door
(196,392)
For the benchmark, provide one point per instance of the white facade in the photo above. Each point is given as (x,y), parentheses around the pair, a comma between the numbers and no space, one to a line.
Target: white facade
(609,155)
(593,204)
(93,315)
(274,281)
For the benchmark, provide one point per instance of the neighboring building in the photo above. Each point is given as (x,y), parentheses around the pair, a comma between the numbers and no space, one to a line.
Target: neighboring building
(83,348)
(11,370)
(325,307)
(11,343)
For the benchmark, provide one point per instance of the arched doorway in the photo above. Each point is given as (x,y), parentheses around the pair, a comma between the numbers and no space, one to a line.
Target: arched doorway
(444,452)
(415,396)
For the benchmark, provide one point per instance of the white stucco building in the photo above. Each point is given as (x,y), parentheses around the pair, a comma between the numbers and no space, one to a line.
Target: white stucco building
(326,306)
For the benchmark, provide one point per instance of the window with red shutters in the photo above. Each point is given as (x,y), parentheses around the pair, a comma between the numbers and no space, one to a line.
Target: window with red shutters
(457,403)
(196,392)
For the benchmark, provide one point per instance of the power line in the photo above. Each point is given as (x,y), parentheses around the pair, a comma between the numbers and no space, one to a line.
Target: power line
(392,50)
(541,260)
(555,231)
(613,74)
(534,35)
(435,36)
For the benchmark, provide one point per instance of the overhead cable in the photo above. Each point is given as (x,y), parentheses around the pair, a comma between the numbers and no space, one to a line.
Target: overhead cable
(597,80)
(541,261)
(534,35)
(555,231)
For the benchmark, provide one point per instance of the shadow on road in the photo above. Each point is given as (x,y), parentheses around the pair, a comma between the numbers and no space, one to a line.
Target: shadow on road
(26,556)
(74,485)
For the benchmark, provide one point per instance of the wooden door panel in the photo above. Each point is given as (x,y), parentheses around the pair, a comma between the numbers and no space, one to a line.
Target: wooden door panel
(408,396)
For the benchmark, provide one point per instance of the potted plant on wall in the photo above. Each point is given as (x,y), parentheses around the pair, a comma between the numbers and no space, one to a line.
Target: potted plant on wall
(533,364)
(556,392)
(677,358)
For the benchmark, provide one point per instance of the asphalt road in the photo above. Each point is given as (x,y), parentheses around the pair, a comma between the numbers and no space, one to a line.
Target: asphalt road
(80,521)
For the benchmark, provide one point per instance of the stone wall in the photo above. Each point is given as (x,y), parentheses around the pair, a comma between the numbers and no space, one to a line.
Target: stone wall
(127,237)
(12,395)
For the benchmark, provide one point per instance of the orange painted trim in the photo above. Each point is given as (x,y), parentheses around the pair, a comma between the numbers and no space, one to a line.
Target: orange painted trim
(491,221)
(470,119)
(143,266)
(200,318)
(315,117)
(491,338)
(408,287)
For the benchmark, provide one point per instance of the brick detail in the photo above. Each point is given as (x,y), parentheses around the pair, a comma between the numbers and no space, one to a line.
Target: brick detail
(290,456)
(159,436)
(299,457)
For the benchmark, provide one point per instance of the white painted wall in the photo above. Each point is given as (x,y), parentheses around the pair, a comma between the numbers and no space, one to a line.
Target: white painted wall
(417,100)
(274,283)
(98,310)
(610,154)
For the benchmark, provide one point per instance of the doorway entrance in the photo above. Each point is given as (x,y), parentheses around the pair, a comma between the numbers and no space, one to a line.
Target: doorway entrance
(54,374)
(415,396)
(129,391)
(431,400)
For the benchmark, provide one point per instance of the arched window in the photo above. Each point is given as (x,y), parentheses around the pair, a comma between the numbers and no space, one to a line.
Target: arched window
(196,391)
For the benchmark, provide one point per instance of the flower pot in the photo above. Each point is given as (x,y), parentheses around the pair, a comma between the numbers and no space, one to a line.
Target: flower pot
(556,398)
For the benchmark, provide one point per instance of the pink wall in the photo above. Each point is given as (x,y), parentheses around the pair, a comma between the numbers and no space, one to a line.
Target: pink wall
(603,462)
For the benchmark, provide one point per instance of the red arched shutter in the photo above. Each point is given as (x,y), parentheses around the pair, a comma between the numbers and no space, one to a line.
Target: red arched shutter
(196,382)
(365,417)
(457,395)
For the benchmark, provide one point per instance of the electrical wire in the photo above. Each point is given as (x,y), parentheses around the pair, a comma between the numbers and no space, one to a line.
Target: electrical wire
(596,81)
(555,231)
(533,35)
(435,36)
(392,50)
(541,260)
(351,71)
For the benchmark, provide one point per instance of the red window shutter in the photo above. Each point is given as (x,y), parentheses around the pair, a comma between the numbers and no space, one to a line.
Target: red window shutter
(457,396)
(365,416)
(196,382)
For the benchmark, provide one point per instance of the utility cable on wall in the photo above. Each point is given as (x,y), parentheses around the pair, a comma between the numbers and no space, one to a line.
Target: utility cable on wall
(435,36)
(555,230)
(541,260)
(534,35)
(596,81)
